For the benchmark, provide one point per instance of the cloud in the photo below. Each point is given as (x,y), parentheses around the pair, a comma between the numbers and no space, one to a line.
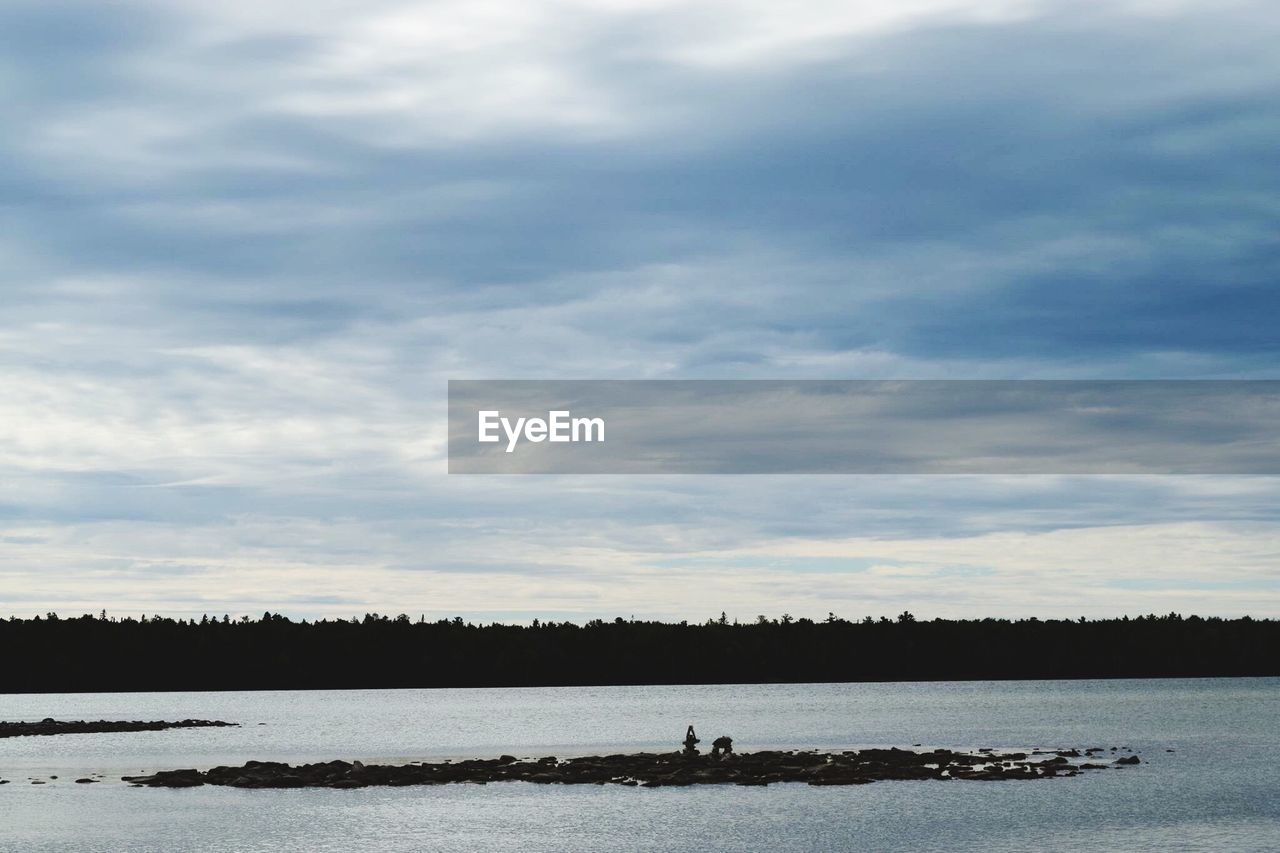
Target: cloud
(244,245)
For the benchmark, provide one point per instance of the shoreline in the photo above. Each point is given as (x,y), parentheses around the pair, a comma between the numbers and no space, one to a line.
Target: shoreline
(596,685)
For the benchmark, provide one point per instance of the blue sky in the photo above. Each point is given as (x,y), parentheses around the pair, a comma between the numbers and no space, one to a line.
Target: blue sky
(242,249)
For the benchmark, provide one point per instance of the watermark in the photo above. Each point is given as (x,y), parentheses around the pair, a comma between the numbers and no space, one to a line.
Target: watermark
(864,427)
(556,427)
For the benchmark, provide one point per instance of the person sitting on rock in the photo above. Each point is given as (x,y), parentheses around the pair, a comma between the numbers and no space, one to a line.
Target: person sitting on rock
(722,744)
(690,742)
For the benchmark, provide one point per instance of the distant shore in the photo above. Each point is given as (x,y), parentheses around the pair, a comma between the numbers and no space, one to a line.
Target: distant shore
(91,654)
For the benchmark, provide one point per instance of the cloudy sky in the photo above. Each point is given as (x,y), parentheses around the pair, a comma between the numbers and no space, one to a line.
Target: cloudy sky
(243,245)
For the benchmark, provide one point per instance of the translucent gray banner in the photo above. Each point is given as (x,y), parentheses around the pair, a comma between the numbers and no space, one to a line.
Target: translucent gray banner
(864,427)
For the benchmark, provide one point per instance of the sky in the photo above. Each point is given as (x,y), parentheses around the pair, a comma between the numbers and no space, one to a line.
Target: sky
(243,247)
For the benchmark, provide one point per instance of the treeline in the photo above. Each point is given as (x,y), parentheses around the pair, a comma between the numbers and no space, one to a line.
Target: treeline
(97,653)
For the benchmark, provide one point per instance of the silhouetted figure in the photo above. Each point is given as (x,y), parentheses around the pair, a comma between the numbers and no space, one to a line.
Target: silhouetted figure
(690,742)
(722,744)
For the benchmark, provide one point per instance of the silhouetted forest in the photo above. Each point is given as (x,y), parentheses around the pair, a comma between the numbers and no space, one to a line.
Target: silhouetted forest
(96,653)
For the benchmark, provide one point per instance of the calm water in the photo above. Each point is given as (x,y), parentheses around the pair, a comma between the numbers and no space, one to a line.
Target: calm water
(1218,790)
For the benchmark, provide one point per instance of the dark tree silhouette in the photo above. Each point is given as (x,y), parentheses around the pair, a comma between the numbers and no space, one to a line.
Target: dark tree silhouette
(94,653)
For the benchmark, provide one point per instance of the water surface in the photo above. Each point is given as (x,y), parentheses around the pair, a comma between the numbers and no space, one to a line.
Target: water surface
(1217,789)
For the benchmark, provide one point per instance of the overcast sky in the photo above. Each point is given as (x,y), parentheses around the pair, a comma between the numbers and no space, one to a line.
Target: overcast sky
(243,245)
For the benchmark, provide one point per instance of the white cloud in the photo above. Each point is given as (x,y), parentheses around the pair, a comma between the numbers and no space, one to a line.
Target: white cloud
(246,243)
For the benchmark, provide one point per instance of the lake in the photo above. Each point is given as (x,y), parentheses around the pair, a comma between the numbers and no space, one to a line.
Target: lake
(1219,789)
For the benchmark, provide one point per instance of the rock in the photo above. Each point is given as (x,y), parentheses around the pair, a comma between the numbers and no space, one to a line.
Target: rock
(86,781)
(650,770)
(50,726)
(1129,759)
(168,779)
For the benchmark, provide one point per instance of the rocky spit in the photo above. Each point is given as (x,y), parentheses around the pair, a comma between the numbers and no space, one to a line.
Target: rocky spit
(653,770)
(50,726)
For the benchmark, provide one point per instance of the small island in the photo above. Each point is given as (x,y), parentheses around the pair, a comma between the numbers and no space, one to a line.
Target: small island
(651,770)
(50,726)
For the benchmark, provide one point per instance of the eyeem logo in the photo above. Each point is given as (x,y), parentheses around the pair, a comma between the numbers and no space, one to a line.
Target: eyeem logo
(559,426)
